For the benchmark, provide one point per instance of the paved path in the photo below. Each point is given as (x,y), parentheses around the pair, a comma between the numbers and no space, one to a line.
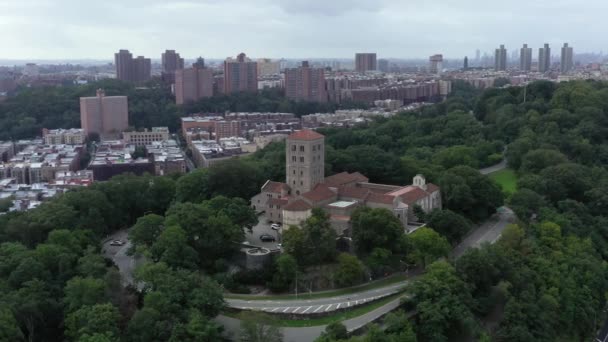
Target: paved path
(494,168)
(319,305)
(126,264)
(307,334)
(490,231)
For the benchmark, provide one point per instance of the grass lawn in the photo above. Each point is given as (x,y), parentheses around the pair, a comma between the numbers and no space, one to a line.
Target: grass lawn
(507,180)
(326,294)
(338,317)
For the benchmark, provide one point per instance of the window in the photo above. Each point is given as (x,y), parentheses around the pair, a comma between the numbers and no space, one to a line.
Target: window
(293,158)
(293,147)
(301,159)
(301,183)
(301,173)
(301,148)
(294,172)
(314,148)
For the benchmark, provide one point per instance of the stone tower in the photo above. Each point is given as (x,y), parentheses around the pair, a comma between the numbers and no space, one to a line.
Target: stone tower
(305,161)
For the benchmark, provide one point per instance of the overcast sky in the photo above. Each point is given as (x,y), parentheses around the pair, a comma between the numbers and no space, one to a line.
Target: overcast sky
(71,29)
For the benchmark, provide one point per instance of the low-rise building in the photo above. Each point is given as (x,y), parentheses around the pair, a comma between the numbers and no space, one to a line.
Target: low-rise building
(114,158)
(71,136)
(167,156)
(146,137)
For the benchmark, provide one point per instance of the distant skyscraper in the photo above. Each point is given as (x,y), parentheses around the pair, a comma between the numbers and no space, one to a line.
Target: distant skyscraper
(193,84)
(365,62)
(383,65)
(525,58)
(477,57)
(200,63)
(171,62)
(267,66)
(132,70)
(240,74)
(567,62)
(500,59)
(107,116)
(466,63)
(544,58)
(436,64)
(305,83)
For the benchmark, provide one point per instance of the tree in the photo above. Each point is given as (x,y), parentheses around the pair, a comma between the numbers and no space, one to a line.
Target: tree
(286,270)
(193,187)
(212,234)
(350,270)
(315,243)
(428,245)
(536,160)
(94,319)
(466,191)
(398,325)
(449,224)
(172,248)
(9,328)
(80,292)
(333,332)
(526,203)
(147,229)
(375,228)
(237,209)
(91,264)
(442,301)
(259,327)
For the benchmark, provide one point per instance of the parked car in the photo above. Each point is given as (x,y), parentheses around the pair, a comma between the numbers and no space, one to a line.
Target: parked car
(267,238)
(117,243)
(275,226)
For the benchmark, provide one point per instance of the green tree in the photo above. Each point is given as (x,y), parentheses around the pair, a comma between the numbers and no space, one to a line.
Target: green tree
(80,292)
(95,319)
(286,270)
(147,229)
(172,248)
(428,245)
(375,228)
(9,328)
(193,187)
(259,327)
(350,270)
(333,332)
(449,224)
(442,301)
(315,243)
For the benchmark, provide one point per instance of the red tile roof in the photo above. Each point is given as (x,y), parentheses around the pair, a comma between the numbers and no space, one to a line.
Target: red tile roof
(274,187)
(299,205)
(430,188)
(305,134)
(343,178)
(380,198)
(414,195)
(319,193)
(353,192)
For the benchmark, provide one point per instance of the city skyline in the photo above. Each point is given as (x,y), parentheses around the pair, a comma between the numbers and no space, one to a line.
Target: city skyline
(42,29)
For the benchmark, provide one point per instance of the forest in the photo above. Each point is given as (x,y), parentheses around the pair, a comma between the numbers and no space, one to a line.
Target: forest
(545,279)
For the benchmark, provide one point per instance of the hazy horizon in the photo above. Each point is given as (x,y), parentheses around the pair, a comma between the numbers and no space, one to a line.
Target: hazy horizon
(71,30)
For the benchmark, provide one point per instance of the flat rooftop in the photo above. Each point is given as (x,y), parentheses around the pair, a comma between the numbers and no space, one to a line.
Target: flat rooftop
(342,204)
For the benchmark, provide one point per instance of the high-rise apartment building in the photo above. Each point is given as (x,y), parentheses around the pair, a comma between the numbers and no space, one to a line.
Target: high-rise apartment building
(240,75)
(171,61)
(544,58)
(466,63)
(192,84)
(227,129)
(305,83)
(365,62)
(436,64)
(128,69)
(305,154)
(567,62)
(383,65)
(267,66)
(525,58)
(107,116)
(500,59)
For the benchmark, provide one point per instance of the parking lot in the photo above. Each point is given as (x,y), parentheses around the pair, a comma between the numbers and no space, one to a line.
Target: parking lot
(263,227)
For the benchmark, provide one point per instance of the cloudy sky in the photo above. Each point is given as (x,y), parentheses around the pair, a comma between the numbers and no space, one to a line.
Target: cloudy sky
(62,29)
